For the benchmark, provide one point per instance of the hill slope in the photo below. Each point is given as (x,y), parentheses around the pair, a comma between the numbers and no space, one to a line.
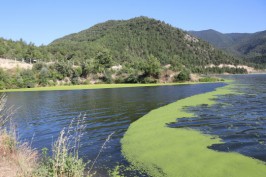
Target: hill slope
(214,37)
(252,46)
(135,39)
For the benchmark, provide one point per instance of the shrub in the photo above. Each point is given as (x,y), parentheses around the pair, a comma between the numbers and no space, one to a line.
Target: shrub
(148,80)
(107,77)
(4,79)
(63,69)
(132,78)
(44,76)
(38,66)
(151,67)
(183,76)
(28,79)
(119,80)
(76,72)
(75,80)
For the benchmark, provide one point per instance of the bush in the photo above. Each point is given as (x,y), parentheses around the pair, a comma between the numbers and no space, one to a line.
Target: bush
(2,85)
(4,79)
(119,80)
(149,80)
(38,66)
(151,67)
(104,59)
(27,79)
(75,80)
(86,69)
(183,76)
(132,78)
(63,69)
(107,77)
(76,72)
(44,76)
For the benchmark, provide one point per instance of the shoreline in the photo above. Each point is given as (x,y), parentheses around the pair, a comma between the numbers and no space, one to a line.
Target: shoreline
(99,86)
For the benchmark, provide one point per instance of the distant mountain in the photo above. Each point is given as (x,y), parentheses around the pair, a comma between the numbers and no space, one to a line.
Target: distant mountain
(216,38)
(251,46)
(135,39)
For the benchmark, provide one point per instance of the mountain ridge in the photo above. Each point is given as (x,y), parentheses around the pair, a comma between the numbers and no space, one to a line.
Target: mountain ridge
(251,46)
(139,37)
(128,41)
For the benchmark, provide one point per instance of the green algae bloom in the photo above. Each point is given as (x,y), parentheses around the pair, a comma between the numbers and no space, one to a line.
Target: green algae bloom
(94,86)
(150,146)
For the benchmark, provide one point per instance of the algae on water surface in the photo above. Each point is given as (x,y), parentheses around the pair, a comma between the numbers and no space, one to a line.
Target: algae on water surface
(151,146)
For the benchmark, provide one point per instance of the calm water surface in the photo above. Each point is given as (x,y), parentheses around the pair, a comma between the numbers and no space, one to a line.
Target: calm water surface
(238,119)
(41,115)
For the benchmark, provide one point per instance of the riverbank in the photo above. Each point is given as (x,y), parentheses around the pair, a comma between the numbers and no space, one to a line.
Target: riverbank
(20,159)
(150,146)
(97,86)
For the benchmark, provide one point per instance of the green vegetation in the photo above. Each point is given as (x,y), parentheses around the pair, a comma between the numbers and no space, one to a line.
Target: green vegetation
(141,47)
(217,70)
(132,41)
(251,46)
(161,151)
(126,42)
(4,79)
(94,86)
(183,76)
(21,50)
(210,79)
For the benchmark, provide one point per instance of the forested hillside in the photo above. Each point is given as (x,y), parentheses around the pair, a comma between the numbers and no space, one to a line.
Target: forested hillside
(141,49)
(126,41)
(21,50)
(135,39)
(251,46)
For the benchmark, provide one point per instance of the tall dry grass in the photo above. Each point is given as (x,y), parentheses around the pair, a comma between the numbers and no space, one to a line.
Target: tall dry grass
(16,159)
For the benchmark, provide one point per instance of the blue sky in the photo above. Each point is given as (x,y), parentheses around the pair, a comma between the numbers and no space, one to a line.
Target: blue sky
(42,21)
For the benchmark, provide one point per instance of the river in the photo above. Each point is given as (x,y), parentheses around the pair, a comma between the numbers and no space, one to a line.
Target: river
(42,115)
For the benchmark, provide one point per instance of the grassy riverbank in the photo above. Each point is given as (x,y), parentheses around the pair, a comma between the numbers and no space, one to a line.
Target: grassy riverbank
(161,151)
(94,86)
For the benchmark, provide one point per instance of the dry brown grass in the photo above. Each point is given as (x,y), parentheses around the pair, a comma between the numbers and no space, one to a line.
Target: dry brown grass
(16,160)
(8,64)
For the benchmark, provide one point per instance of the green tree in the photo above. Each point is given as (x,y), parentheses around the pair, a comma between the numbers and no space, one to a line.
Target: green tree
(151,67)
(4,79)
(184,75)
(44,76)
(63,69)
(37,67)
(28,78)
(104,59)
